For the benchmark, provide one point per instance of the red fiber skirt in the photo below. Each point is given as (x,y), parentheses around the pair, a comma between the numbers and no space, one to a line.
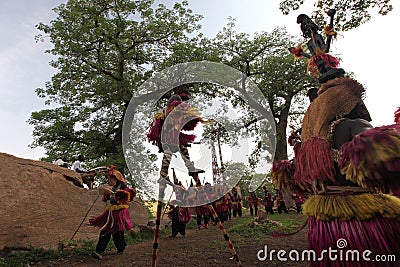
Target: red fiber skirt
(379,235)
(119,221)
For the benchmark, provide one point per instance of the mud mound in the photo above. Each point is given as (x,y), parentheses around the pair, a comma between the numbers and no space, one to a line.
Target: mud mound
(44,204)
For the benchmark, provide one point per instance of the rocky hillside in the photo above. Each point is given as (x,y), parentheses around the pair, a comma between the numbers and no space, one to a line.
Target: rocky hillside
(43,204)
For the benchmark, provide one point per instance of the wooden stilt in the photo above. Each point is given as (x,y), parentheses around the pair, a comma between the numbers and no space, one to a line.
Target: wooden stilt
(226,236)
(158,222)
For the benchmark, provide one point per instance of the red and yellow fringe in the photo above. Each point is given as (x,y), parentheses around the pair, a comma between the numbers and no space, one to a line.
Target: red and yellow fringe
(359,207)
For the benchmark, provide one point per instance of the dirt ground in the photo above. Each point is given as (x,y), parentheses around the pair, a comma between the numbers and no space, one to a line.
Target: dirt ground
(205,247)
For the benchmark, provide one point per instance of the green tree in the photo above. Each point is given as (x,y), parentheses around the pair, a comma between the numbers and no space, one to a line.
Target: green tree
(265,59)
(350,13)
(104,50)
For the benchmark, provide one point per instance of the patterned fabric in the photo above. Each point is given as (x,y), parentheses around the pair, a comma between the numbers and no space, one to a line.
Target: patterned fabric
(202,210)
(184,215)
(114,221)
(253,199)
(116,217)
(236,203)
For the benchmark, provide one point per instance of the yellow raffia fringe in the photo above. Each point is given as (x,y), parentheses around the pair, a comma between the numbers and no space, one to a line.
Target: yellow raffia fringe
(359,207)
(159,115)
(280,180)
(192,113)
(356,174)
(379,154)
(117,207)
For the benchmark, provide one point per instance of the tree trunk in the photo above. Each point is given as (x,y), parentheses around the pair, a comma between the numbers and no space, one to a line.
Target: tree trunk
(281,138)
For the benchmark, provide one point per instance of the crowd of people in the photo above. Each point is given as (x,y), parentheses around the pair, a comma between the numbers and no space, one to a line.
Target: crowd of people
(227,206)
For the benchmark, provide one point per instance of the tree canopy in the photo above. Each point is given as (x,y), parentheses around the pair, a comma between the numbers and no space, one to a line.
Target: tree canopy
(104,50)
(264,58)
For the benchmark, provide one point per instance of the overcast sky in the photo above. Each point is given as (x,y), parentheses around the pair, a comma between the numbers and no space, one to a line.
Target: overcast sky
(370,51)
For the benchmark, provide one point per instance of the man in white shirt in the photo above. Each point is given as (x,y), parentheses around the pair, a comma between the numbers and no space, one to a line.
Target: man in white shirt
(77,166)
(87,177)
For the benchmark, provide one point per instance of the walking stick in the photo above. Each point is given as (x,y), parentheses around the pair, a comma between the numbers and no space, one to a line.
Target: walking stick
(95,171)
(84,218)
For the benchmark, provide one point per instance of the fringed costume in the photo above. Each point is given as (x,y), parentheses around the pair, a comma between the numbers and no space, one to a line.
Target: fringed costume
(115,219)
(236,203)
(298,201)
(166,131)
(350,172)
(179,217)
(202,214)
(221,207)
(268,202)
(253,203)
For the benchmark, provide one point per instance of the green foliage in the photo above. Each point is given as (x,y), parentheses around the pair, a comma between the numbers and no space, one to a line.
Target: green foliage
(349,13)
(22,259)
(137,237)
(264,58)
(104,51)
(242,229)
(290,223)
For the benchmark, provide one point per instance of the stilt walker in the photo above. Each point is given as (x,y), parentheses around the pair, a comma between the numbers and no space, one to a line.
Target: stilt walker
(166,133)
(155,137)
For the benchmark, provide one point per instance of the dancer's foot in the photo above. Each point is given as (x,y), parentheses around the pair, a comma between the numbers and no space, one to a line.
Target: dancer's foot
(97,256)
(196,171)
